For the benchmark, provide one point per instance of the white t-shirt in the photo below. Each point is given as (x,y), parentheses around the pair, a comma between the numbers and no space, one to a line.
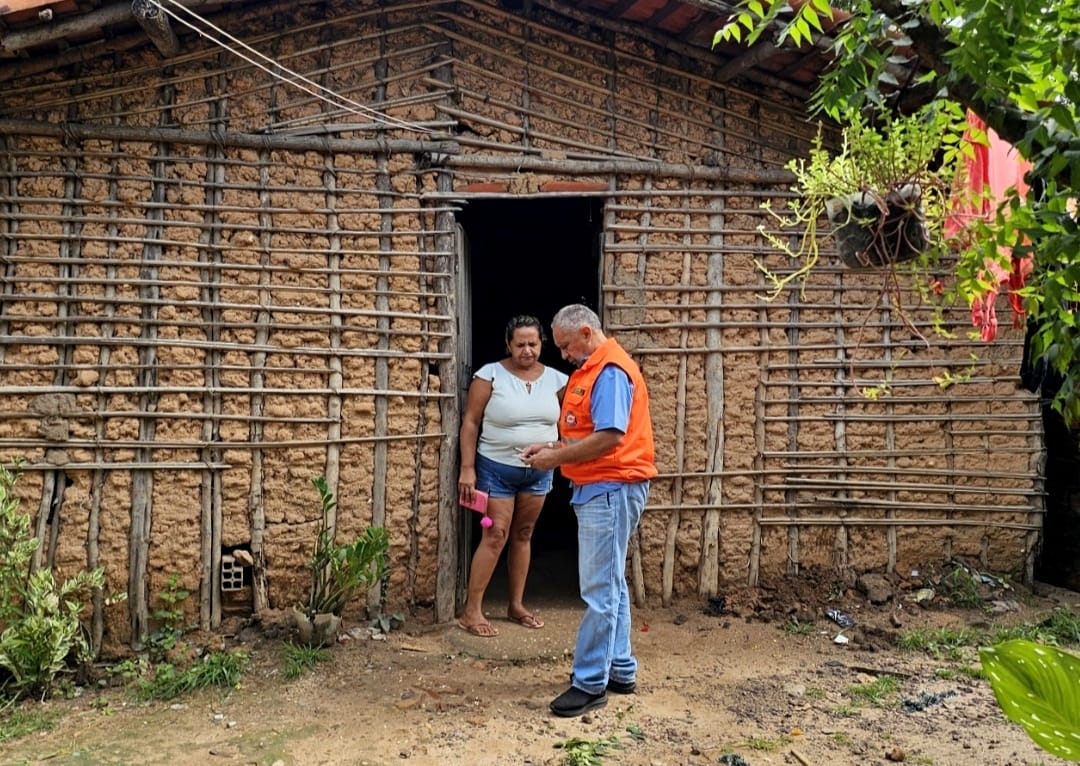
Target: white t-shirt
(516,416)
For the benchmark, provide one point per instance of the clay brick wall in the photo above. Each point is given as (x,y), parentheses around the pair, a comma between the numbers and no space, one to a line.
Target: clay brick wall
(231,303)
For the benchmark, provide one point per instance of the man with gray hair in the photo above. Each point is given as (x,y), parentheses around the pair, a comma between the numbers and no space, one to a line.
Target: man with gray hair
(606,452)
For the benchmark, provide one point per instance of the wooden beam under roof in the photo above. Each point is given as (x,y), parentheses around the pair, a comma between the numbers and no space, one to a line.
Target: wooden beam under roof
(14,6)
(597,18)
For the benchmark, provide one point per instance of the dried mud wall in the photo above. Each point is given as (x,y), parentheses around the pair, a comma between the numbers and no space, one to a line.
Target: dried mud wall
(819,430)
(217,286)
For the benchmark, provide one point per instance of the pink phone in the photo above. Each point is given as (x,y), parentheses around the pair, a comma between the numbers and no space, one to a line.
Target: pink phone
(479,501)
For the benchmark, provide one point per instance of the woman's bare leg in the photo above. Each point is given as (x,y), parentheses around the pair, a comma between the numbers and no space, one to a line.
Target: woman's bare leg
(500,509)
(519,557)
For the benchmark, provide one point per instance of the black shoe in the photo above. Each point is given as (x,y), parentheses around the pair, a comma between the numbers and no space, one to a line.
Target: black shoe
(574,702)
(622,687)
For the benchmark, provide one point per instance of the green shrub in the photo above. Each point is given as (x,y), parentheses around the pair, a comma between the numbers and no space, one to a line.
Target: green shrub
(340,572)
(169,617)
(961,588)
(222,669)
(39,618)
(300,658)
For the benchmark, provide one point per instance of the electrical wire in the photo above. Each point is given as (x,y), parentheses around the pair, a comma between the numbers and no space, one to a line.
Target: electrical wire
(295,78)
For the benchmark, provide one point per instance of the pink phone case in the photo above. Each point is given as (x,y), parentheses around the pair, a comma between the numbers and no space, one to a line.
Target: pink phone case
(479,502)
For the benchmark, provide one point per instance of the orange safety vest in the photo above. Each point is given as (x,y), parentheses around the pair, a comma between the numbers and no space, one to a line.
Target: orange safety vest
(633,459)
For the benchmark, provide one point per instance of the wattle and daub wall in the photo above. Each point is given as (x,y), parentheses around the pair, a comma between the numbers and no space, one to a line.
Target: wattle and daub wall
(216,286)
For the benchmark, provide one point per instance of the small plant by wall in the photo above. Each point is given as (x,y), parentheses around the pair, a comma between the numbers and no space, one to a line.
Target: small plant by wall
(169,618)
(339,573)
(40,630)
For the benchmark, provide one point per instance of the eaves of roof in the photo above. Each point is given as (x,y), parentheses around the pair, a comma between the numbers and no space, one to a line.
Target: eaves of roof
(38,35)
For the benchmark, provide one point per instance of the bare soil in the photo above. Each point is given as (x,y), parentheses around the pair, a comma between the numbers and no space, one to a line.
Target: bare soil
(716,685)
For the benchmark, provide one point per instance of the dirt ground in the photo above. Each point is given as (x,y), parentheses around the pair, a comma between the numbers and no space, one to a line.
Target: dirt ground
(730,682)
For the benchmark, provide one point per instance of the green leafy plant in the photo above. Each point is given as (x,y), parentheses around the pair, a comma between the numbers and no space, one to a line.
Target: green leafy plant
(878,691)
(795,627)
(39,617)
(840,738)
(169,617)
(221,669)
(946,379)
(941,642)
(387,622)
(1036,686)
(766,744)
(1013,65)
(340,572)
(961,587)
(17,722)
(884,190)
(587,752)
(129,670)
(845,711)
(300,658)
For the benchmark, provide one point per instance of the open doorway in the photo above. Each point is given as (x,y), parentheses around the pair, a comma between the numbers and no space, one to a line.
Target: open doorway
(530,256)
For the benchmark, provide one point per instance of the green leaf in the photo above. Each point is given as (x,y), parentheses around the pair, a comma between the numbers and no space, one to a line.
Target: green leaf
(812,17)
(1038,687)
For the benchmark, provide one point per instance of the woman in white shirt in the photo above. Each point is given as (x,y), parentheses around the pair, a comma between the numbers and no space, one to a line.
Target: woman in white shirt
(512,403)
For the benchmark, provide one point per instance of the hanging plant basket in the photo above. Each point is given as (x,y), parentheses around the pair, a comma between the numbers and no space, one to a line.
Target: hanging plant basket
(871,233)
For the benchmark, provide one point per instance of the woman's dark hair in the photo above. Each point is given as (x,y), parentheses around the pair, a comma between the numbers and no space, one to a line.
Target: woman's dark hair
(523,320)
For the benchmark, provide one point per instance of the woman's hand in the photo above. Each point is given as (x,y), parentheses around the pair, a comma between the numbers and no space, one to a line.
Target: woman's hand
(467,484)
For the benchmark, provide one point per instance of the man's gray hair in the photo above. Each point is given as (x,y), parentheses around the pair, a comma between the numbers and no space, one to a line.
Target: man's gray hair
(575,316)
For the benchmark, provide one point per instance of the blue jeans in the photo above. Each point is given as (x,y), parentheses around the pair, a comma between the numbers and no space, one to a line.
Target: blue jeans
(605,524)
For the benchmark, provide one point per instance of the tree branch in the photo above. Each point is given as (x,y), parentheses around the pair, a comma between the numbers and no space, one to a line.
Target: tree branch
(931,44)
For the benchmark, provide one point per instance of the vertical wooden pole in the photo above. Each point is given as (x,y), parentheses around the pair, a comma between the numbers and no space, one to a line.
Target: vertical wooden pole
(715,435)
(260,589)
(454,302)
(210,293)
(106,330)
(450,560)
(840,540)
(9,226)
(754,572)
(332,472)
(384,192)
(793,428)
(1037,467)
(890,433)
(142,480)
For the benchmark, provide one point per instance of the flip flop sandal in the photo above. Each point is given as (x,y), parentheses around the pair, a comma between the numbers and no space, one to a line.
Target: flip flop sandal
(481,629)
(527,620)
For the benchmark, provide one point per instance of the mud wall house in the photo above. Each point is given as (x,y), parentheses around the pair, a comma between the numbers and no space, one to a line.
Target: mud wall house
(223,275)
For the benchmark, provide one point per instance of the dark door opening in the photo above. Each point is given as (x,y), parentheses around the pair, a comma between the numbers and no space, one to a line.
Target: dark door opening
(1059,560)
(531,256)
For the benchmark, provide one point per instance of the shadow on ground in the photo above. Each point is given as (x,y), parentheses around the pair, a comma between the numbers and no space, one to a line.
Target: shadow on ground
(551,593)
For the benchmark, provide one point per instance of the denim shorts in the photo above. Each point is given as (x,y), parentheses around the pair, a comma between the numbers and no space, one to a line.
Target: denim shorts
(502,480)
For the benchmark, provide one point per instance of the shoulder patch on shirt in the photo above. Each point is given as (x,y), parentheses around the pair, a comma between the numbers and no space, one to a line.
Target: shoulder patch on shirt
(577,390)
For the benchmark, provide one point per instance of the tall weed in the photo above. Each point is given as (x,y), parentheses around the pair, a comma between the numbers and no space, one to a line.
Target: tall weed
(40,631)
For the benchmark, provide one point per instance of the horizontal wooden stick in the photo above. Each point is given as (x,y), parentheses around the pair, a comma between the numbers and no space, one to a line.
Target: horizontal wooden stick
(232,391)
(621,167)
(268,141)
(851,521)
(199,444)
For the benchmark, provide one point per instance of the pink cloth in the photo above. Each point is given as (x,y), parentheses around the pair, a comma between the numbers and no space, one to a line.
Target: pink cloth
(994,167)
